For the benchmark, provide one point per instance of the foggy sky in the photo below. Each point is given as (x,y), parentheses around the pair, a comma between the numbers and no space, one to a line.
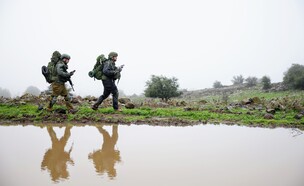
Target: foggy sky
(196,41)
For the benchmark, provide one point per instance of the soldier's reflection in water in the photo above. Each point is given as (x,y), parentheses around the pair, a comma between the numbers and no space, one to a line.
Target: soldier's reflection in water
(105,159)
(55,159)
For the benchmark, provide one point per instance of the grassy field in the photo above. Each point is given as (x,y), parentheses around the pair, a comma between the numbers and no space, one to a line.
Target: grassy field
(286,111)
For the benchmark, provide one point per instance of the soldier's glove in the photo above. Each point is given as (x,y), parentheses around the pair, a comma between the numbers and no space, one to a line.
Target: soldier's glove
(120,68)
(72,73)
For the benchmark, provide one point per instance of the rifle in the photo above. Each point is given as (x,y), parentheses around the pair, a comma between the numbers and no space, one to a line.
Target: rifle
(70,81)
(121,69)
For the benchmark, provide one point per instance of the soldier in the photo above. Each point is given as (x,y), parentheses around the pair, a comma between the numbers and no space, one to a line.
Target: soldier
(56,158)
(110,74)
(58,86)
(107,156)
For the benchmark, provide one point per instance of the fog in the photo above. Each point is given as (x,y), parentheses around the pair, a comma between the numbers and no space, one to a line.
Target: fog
(196,41)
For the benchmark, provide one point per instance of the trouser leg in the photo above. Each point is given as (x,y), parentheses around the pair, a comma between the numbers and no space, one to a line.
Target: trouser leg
(63,92)
(52,101)
(98,102)
(53,97)
(68,103)
(115,97)
(106,93)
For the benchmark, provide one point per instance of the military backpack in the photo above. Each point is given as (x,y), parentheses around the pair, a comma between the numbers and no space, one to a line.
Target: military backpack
(49,71)
(97,73)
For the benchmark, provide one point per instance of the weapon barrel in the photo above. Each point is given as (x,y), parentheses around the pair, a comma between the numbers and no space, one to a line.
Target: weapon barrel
(70,81)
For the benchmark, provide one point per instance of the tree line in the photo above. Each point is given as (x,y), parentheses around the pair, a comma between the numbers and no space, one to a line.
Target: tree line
(293,79)
(165,88)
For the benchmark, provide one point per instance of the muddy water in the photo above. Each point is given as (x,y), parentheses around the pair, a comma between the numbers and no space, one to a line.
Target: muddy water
(144,155)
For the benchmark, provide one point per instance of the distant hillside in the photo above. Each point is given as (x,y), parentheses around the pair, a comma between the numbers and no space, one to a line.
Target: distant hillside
(198,94)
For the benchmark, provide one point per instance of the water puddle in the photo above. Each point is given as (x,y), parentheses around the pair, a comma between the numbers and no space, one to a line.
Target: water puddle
(145,155)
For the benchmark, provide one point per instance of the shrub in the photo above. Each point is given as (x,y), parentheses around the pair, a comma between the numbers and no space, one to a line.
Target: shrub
(217,84)
(294,77)
(162,87)
(266,82)
(251,81)
(237,80)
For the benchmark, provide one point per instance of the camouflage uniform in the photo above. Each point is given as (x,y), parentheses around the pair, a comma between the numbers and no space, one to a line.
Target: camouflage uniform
(110,74)
(58,86)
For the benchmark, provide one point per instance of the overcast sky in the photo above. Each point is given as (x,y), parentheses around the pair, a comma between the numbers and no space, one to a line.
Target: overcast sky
(196,41)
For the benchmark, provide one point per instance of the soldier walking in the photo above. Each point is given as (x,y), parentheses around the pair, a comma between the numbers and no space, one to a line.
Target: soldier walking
(58,86)
(110,74)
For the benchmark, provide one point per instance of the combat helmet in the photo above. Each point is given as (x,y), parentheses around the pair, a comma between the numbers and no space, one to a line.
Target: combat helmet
(65,56)
(112,54)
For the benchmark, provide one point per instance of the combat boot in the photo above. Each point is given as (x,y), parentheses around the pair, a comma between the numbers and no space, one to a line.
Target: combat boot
(49,109)
(98,102)
(52,101)
(94,107)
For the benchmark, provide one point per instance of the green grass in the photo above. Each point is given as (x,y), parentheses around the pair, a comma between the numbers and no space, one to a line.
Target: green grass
(210,112)
(133,115)
(10,111)
(267,95)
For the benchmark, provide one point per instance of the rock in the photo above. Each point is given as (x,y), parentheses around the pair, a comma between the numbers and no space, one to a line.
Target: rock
(183,103)
(298,116)
(60,111)
(187,108)
(228,109)
(202,102)
(22,103)
(40,107)
(297,106)
(247,101)
(259,107)
(271,111)
(28,98)
(162,104)
(90,99)
(281,107)
(180,103)
(268,116)
(276,104)
(129,105)
(256,100)
(75,100)
(124,100)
